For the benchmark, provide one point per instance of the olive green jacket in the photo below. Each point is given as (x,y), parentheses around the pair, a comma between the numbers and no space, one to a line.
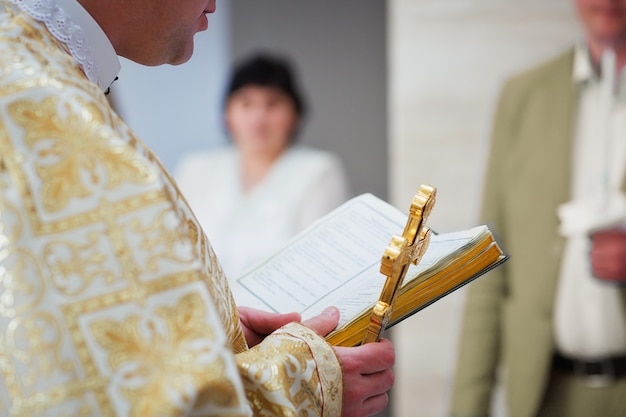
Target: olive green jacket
(508,313)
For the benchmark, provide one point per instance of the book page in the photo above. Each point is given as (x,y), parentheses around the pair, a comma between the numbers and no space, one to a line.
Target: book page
(336,262)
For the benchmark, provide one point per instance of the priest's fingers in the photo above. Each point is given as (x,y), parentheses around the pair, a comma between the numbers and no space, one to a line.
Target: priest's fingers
(367,376)
(369,358)
(375,404)
(324,323)
(257,324)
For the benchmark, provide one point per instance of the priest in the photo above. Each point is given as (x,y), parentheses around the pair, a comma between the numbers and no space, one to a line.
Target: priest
(112,302)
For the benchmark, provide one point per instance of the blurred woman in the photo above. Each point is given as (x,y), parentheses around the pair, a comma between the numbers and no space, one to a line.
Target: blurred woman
(253,195)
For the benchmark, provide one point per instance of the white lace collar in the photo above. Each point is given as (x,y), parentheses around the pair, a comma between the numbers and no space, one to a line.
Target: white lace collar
(71,24)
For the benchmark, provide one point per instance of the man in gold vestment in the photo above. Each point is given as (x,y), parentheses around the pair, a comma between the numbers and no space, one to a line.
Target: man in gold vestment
(112,301)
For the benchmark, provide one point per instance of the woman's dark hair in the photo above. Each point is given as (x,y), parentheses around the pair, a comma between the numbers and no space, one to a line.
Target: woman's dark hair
(267,70)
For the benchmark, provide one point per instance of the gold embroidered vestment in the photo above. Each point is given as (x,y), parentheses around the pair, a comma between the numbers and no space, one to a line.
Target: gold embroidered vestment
(112,302)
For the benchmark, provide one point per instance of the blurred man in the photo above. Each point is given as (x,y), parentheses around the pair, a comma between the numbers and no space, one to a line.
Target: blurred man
(555,315)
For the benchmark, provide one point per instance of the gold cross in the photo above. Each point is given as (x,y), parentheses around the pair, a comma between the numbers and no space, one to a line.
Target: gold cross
(402,250)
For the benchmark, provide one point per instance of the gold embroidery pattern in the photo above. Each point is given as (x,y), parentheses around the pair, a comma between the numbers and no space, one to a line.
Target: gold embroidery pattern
(21,282)
(74,267)
(35,344)
(331,377)
(161,239)
(269,373)
(176,339)
(70,164)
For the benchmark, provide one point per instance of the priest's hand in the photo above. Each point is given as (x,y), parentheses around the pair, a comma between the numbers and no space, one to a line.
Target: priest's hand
(367,369)
(257,324)
(367,376)
(608,255)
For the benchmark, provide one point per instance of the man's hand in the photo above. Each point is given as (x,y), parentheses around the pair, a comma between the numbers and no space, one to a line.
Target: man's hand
(367,376)
(257,323)
(367,369)
(608,255)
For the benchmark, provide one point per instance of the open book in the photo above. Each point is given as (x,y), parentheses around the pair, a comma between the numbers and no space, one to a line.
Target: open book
(336,261)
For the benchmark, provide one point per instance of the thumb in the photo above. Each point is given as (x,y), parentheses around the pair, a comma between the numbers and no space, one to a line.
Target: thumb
(324,323)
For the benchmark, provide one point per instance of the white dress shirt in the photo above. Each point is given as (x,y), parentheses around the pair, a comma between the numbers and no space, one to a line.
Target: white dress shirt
(588,312)
(106,60)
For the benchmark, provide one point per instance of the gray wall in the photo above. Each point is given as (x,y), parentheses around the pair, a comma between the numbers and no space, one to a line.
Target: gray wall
(339,49)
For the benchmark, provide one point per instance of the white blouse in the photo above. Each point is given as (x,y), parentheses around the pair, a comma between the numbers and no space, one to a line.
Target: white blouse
(245,228)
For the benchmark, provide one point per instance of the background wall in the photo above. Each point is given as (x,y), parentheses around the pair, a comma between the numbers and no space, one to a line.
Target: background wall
(339,49)
(447,61)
